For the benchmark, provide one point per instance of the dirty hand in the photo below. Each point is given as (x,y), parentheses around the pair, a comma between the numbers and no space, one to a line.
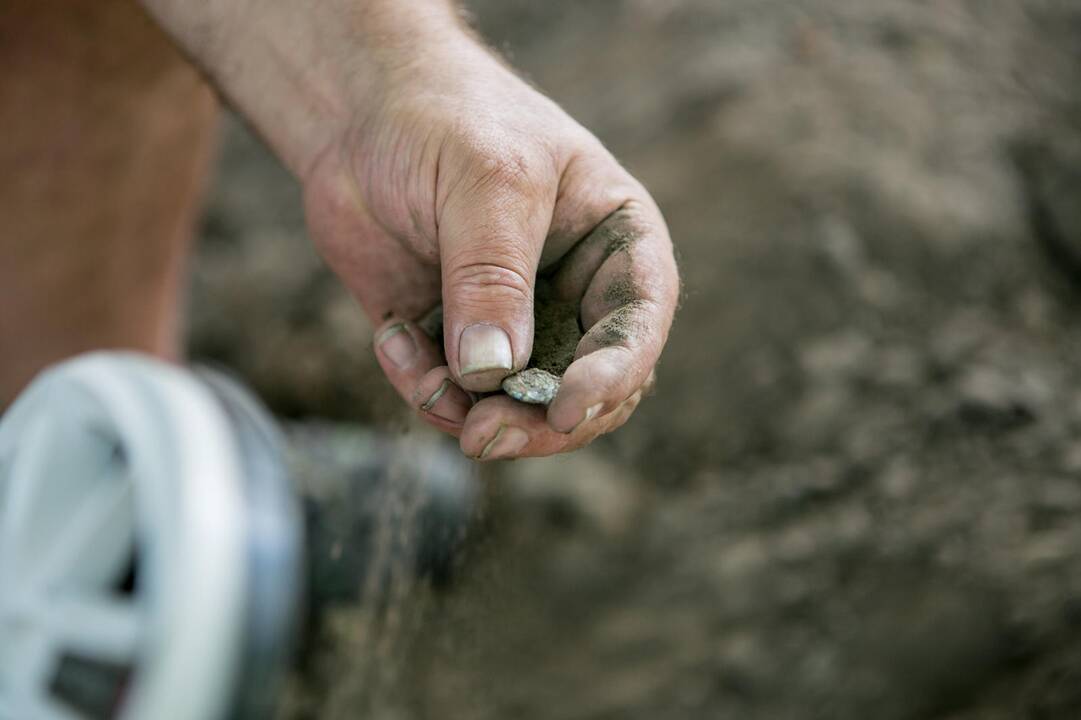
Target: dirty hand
(433,174)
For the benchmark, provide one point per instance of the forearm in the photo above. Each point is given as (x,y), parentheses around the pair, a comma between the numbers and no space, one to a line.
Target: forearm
(301,72)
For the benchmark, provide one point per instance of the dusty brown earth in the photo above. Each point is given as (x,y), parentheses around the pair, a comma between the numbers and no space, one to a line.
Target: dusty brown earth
(858,491)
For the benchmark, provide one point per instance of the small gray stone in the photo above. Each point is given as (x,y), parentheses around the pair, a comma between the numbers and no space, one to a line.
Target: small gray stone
(534,385)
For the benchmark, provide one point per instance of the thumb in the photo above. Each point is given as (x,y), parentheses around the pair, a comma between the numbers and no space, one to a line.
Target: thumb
(490,242)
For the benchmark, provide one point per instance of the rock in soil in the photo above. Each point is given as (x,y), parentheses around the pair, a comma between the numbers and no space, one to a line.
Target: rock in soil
(556,333)
(533,385)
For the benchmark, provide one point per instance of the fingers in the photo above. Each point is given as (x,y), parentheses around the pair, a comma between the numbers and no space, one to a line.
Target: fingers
(388,282)
(441,402)
(499,428)
(625,274)
(491,235)
(414,365)
(381,274)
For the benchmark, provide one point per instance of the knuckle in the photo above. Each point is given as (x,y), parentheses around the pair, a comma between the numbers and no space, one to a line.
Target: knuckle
(489,280)
(506,170)
(499,159)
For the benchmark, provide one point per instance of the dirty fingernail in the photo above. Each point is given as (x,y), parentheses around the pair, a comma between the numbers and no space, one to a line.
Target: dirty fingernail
(448,402)
(485,349)
(398,345)
(591,412)
(507,442)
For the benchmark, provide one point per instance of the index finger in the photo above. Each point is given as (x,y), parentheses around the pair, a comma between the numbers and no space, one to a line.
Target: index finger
(624,273)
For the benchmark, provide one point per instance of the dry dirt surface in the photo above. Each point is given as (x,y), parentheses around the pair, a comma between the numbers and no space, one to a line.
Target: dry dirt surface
(858,491)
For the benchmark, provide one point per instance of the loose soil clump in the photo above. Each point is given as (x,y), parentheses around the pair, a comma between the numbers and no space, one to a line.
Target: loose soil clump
(556,333)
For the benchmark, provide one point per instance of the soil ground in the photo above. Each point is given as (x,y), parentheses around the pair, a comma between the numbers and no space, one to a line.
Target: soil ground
(858,490)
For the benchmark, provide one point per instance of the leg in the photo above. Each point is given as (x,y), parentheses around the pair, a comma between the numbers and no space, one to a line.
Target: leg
(107,135)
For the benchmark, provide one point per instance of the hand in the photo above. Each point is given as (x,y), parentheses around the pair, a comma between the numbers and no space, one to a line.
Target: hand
(443,177)
(460,185)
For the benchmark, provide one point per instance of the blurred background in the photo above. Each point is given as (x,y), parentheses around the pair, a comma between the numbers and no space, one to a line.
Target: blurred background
(857,491)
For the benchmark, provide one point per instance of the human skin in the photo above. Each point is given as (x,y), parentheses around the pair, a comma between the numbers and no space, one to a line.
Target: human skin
(100,183)
(432,173)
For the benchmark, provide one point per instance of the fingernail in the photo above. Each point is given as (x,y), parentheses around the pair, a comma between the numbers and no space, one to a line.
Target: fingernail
(398,345)
(448,402)
(591,412)
(484,347)
(507,442)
